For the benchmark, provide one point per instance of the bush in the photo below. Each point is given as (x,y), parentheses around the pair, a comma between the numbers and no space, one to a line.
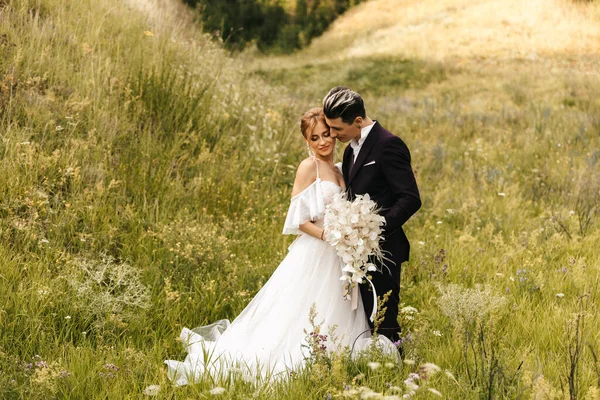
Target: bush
(272,25)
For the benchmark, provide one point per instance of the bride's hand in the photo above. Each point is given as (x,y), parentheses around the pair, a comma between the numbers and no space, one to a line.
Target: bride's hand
(313,230)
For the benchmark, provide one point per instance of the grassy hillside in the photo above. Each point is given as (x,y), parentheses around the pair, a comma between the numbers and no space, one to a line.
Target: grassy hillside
(447,29)
(139,167)
(145,177)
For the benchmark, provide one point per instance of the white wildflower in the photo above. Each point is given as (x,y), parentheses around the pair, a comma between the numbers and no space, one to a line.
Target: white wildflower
(411,385)
(216,391)
(369,394)
(436,392)
(409,310)
(409,362)
(437,333)
(462,304)
(152,390)
(430,369)
(373,365)
(560,295)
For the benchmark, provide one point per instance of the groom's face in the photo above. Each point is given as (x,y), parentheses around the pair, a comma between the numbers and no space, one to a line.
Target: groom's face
(342,131)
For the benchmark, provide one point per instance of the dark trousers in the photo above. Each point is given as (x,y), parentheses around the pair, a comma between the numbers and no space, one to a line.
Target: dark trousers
(384,281)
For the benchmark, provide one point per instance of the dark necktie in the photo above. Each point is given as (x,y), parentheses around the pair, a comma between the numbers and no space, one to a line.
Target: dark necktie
(351,162)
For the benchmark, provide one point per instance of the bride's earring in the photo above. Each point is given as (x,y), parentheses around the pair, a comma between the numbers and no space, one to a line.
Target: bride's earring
(310,153)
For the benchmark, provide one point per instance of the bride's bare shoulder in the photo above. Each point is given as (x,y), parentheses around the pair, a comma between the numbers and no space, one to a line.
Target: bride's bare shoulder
(307,167)
(305,175)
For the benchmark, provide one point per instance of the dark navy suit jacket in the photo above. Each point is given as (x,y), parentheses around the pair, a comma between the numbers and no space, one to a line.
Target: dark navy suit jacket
(389,181)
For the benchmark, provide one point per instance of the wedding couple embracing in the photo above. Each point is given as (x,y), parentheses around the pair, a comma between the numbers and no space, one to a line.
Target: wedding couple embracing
(268,338)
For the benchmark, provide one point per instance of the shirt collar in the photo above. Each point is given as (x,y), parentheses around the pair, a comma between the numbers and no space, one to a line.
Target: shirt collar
(364,132)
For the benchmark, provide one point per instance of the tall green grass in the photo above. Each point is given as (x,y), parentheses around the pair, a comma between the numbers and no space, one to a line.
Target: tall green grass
(145,177)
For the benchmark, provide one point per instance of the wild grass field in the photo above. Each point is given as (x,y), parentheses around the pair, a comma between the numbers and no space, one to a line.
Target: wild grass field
(145,175)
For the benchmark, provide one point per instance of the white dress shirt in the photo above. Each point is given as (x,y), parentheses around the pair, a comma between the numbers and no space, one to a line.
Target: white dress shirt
(357,144)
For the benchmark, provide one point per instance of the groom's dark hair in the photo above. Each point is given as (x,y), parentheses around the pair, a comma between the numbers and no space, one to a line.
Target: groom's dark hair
(345,103)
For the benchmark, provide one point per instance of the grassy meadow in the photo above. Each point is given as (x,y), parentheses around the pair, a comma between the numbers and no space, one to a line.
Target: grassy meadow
(145,176)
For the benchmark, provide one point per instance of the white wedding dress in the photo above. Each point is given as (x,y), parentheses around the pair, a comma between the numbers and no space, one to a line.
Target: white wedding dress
(266,339)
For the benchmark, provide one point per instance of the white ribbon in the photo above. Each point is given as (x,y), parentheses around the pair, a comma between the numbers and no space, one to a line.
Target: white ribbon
(354,297)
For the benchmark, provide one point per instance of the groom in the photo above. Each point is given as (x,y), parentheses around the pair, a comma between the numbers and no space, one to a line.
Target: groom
(378,163)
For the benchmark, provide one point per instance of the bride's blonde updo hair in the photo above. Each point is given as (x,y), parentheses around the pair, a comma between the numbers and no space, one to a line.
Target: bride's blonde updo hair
(310,120)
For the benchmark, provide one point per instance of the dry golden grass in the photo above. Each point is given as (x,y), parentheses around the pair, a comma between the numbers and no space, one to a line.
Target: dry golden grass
(170,15)
(447,29)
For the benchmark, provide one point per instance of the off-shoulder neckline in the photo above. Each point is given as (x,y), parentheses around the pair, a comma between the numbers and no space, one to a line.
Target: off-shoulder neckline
(315,181)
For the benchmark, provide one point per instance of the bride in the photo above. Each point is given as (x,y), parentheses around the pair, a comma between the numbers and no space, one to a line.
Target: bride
(268,338)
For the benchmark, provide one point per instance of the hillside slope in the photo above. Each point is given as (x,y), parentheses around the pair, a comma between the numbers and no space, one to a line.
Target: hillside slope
(435,29)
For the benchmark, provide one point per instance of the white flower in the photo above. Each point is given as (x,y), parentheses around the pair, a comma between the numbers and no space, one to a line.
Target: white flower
(437,333)
(216,391)
(152,390)
(430,369)
(370,394)
(560,295)
(422,243)
(373,365)
(409,362)
(501,194)
(409,310)
(437,393)
(68,317)
(354,229)
(411,385)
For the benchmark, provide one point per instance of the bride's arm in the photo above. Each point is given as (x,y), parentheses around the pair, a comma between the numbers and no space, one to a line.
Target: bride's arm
(312,230)
(305,176)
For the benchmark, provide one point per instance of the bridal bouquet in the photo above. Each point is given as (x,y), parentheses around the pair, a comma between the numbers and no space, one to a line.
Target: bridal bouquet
(353,228)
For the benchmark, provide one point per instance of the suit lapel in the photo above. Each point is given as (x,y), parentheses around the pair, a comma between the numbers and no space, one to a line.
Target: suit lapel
(364,152)
(346,163)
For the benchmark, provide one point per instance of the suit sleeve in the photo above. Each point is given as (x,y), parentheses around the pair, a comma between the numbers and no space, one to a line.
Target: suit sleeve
(401,180)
